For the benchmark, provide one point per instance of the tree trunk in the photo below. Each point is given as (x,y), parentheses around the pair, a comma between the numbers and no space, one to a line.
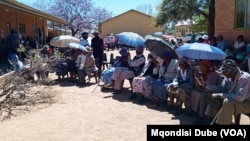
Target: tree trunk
(211,23)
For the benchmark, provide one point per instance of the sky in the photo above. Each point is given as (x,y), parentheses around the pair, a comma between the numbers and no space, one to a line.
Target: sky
(115,6)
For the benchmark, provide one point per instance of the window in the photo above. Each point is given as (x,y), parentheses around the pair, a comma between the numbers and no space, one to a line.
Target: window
(21,28)
(242,13)
(8,27)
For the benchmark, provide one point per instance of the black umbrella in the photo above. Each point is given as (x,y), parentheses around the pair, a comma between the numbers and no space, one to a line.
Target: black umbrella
(159,46)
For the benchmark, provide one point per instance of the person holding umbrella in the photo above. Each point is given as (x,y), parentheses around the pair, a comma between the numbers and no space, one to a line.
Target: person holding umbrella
(167,72)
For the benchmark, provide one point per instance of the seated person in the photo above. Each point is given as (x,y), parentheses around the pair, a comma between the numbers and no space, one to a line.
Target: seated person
(15,62)
(70,55)
(167,72)
(89,65)
(205,75)
(120,62)
(181,85)
(237,99)
(142,83)
(135,68)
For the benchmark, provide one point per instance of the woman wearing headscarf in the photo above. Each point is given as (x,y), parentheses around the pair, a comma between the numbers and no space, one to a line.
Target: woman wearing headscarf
(181,85)
(167,72)
(106,75)
(142,84)
(205,75)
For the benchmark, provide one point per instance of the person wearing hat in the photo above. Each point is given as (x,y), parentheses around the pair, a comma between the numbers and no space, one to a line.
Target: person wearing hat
(237,99)
(84,41)
(167,72)
(120,62)
(135,67)
(181,85)
(98,48)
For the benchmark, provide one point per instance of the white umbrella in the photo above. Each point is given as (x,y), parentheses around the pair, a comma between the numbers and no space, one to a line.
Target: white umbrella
(61,41)
(201,51)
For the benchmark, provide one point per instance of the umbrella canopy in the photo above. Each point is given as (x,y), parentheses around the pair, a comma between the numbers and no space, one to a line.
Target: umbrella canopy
(131,39)
(159,46)
(61,41)
(157,34)
(201,51)
(76,46)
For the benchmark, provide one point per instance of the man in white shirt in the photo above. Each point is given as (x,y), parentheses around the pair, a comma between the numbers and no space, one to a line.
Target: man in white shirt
(84,41)
(80,61)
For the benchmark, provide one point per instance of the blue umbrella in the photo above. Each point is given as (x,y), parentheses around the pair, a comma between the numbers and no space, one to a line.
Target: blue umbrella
(131,39)
(200,51)
(75,46)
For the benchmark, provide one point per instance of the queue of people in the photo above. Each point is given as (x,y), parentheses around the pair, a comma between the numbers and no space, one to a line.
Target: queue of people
(212,94)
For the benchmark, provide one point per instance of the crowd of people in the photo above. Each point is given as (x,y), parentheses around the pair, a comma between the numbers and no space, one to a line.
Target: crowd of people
(212,90)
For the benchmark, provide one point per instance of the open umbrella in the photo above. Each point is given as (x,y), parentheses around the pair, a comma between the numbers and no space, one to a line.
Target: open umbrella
(157,34)
(61,41)
(131,39)
(200,51)
(75,46)
(159,46)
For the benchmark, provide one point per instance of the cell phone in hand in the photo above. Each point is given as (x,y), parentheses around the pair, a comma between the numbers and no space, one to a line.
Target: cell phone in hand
(199,75)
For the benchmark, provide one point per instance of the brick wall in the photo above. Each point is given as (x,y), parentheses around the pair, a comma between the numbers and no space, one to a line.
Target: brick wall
(14,17)
(224,22)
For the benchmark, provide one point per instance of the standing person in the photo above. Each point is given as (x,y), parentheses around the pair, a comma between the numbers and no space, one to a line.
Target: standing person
(80,61)
(84,41)
(237,100)
(98,47)
(12,41)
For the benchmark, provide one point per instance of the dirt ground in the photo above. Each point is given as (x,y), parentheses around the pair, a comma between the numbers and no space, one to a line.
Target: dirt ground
(88,114)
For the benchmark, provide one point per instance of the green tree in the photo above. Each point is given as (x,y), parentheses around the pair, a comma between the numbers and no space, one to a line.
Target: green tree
(174,11)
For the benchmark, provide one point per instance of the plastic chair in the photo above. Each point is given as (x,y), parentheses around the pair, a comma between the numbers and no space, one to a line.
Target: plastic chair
(105,62)
(96,72)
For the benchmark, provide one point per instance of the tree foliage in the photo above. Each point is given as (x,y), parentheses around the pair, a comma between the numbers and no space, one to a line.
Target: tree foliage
(81,14)
(174,11)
